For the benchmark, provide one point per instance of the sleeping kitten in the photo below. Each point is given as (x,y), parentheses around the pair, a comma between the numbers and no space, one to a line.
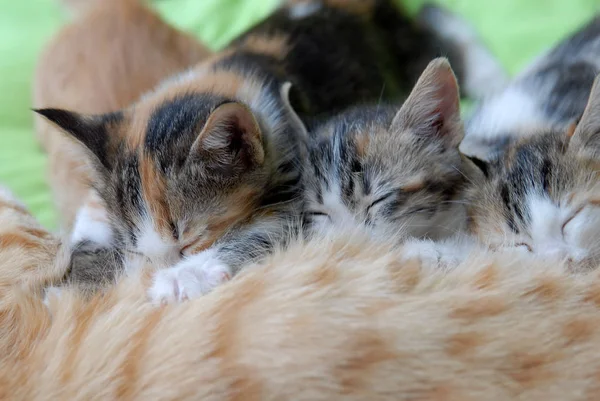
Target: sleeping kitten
(543,194)
(549,95)
(203,173)
(398,171)
(106,58)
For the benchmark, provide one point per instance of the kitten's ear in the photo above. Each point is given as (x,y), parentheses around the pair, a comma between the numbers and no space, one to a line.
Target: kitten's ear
(585,139)
(231,136)
(432,110)
(92,131)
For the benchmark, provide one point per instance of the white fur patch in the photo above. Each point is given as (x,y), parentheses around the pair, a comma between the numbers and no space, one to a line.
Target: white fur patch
(339,214)
(303,10)
(548,238)
(161,251)
(506,115)
(92,224)
(446,255)
(190,278)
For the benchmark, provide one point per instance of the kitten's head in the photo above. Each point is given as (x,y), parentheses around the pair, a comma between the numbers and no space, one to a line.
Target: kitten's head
(543,193)
(399,171)
(183,165)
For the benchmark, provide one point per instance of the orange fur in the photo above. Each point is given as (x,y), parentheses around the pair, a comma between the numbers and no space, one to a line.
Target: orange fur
(27,251)
(334,319)
(101,62)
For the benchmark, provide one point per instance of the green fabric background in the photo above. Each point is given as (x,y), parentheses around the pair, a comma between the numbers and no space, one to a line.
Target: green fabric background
(516,30)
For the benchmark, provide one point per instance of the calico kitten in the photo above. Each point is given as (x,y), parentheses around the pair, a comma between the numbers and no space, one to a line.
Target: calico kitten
(543,193)
(106,58)
(399,171)
(202,174)
(549,95)
(341,319)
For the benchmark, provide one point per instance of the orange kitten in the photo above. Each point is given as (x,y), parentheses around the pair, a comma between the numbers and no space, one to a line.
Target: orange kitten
(112,53)
(341,318)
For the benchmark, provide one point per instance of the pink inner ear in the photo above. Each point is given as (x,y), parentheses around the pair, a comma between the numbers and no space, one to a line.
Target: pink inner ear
(433,107)
(449,106)
(231,133)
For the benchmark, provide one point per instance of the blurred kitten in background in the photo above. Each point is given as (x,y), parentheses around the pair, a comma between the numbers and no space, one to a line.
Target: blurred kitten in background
(550,94)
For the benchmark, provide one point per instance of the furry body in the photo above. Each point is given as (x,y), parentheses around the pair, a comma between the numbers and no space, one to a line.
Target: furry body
(206,166)
(344,319)
(541,192)
(550,94)
(79,70)
(395,169)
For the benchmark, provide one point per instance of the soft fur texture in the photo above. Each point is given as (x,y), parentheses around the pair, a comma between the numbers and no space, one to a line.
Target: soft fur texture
(338,319)
(543,193)
(77,70)
(550,94)
(396,169)
(201,174)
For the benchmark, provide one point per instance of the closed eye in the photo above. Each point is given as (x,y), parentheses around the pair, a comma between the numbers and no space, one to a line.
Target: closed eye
(524,245)
(569,219)
(379,200)
(315,214)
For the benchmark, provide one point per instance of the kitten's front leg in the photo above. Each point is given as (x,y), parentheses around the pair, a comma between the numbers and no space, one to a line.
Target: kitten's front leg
(190,278)
(198,274)
(446,254)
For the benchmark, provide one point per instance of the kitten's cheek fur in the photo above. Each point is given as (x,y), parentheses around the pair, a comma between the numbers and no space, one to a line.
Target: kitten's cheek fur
(190,278)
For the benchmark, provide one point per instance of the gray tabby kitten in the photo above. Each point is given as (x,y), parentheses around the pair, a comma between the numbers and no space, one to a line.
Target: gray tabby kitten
(398,171)
(538,145)
(550,94)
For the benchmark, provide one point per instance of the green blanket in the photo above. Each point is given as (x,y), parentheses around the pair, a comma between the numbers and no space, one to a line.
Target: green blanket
(516,30)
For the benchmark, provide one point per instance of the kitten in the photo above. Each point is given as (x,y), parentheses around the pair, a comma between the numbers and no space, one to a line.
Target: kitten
(106,58)
(550,94)
(324,320)
(202,173)
(543,193)
(397,171)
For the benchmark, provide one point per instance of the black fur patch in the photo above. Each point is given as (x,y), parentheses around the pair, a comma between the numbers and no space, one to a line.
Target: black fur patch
(174,126)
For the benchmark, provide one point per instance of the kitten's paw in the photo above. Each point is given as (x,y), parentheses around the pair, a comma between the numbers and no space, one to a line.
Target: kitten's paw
(437,255)
(190,278)
(422,250)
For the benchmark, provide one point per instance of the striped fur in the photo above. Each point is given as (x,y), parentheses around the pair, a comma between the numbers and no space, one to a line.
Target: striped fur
(550,94)
(397,171)
(543,194)
(27,250)
(100,62)
(336,318)
(204,170)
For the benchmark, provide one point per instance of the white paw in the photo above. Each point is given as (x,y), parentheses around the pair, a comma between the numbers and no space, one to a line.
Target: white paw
(423,250)
(439,255)
(190,278)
